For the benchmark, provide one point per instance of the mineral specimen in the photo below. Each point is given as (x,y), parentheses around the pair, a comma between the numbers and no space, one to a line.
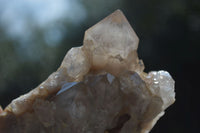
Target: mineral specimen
(100,87)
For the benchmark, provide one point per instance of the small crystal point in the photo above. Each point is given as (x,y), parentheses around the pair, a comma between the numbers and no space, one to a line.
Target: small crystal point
(1,110)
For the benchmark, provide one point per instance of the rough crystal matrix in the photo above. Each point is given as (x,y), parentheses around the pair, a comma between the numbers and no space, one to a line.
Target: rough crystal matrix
(100,87)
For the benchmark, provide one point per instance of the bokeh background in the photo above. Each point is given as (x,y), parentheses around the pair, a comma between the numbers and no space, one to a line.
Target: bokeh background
(36,34)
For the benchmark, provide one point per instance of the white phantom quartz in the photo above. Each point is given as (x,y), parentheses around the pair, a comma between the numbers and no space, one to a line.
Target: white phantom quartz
(100,87)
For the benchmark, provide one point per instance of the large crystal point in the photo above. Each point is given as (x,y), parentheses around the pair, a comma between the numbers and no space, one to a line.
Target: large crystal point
(112,44)
(100,87)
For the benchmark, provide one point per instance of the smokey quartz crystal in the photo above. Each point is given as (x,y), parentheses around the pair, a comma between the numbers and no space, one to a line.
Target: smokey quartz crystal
(100,87)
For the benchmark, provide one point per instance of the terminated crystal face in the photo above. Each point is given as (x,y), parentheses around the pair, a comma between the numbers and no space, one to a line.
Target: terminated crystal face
(100,87)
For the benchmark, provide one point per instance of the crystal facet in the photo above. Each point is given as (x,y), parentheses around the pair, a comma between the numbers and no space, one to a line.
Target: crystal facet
(100,87)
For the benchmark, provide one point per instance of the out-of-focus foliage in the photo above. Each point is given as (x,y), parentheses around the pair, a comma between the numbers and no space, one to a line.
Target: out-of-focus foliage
(35,36)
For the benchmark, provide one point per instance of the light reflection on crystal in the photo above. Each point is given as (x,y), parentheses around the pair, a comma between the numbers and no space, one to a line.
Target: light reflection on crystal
(66,87)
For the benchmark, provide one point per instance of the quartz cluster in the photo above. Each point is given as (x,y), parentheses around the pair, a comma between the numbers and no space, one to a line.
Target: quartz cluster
(100,87)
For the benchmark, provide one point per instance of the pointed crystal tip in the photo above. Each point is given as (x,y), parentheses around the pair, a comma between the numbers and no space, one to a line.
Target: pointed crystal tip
(110,42)
(116,17)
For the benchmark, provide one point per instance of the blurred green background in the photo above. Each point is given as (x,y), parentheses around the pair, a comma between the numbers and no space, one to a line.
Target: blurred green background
(36,34)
